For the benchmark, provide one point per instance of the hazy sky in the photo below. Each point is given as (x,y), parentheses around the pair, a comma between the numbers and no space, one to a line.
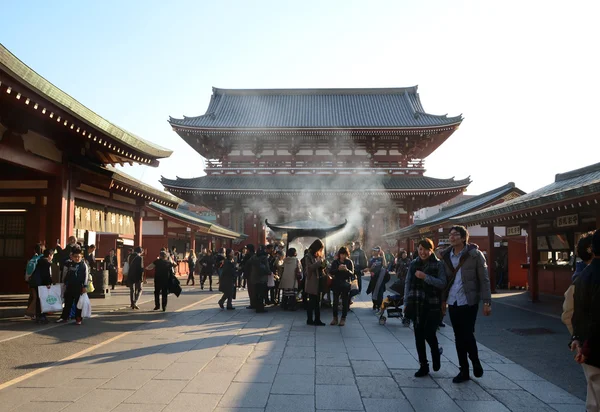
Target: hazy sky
(525,74)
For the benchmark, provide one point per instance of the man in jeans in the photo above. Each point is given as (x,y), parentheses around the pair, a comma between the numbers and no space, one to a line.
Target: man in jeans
(135,276)
(468,283)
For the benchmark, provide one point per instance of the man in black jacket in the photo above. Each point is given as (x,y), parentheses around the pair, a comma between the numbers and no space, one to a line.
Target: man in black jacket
(359,258)
(586,324)
(135,277)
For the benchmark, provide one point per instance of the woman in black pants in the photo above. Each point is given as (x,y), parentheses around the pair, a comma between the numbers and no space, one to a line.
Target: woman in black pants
(163,269)
(342,270)
(422,303)
(315,264)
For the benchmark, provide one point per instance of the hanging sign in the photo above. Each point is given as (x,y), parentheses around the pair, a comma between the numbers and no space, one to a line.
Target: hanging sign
(513,231)
(567,221)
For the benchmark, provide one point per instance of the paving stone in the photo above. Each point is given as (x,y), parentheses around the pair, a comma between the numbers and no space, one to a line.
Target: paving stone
(406,379)
(58,377)
(236,351)
(199,355)
(478,406)
(466,391)
(193,402)
(308,341)
(291,403)
(378,388)
(332,359)
(494,380)
(331,347)
(293,384)
(133,407)
(299,352)
(387,405)
(370,368)
(520,401)
(156,361)
(549,392)
(296,367)
(272,358)
(363,354)
(400,361)
(335,375)
(516,372)
(99,400)
(216,383)
(131,379)
(161,392)
(40,406)
(447,370)
(256,372)
(83,386)
(219,365)
(340,397)
(220,409)
(180,371)
(430,400)
(566,407)
(250,395)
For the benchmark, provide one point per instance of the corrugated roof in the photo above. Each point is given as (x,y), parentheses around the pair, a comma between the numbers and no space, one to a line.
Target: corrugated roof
(315,108)
(19,70)
(458,209)
(567,186)
(314,183)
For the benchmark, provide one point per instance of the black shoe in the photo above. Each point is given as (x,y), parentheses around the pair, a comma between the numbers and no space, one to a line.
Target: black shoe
(442,325)
(230,308)
(157,308)
(164,309)
(461,377)
(319,323)
(477,369)
(310,322)
(437,359)
(210,290)
(221,305)
(423,371)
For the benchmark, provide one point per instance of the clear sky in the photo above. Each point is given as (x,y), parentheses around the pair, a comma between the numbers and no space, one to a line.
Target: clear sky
(524,73)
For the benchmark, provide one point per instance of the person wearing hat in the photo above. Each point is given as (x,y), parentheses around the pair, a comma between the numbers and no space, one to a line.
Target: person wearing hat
(135,277)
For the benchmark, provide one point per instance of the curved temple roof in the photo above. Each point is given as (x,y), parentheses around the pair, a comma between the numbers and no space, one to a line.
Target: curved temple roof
(24,74)
(315,108)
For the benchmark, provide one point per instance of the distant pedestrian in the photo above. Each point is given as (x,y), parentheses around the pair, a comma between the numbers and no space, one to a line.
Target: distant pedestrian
(315,264)
(227,280)
(191,267)
(135,276)
(163,270)
(468,283)
(342,270)
(110,264)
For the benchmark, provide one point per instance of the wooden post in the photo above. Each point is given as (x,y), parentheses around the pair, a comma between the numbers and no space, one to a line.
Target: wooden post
(193,241)
(137,220)
(491,259)
(533,255)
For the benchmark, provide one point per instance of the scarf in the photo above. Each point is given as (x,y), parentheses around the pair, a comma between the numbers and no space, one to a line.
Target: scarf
(422,296)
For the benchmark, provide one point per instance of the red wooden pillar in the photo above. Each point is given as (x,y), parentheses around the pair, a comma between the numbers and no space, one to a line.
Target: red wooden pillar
(491,259)
(533,256)
(193,241)
(137,220)
(57,204)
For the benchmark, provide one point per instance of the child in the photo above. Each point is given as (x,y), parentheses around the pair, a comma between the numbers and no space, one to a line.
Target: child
(76,280)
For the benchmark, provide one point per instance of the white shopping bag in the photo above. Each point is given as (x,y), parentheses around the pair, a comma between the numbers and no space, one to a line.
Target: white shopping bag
(50,298)
(84,304)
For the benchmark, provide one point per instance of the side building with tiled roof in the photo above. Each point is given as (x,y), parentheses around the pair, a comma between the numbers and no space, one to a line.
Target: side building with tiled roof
(278,154)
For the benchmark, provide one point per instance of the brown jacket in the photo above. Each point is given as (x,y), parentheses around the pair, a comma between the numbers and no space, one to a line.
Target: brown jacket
(312,274)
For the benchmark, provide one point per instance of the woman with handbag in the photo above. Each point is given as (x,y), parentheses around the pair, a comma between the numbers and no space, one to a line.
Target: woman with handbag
(342,270)
(315,265)
(422,303)
(291,275)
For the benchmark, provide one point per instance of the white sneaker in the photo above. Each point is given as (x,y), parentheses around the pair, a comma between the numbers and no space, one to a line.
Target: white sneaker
(60,320)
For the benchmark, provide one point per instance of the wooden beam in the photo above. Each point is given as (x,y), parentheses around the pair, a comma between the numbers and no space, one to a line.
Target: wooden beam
(88,197)
(22,158)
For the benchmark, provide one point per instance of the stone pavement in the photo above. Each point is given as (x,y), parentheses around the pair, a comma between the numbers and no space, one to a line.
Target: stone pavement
(205,359)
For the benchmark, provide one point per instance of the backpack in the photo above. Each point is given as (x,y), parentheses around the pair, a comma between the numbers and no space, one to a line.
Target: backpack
(31,265)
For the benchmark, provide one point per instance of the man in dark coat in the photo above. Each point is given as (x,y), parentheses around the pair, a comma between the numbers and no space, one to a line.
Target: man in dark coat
(247,269)
(110,264)
(359,258)
(135,276)
(227,280)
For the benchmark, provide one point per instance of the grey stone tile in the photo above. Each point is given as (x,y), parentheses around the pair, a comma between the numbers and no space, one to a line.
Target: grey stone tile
(99,400)
(270,346)
(332,359)
(370,368)
(236,351)
(133,407)
(466,391)
(331,347)
(259,356)
(180,371)
(221,364)
(363,354)
(83,386)
(478,406)
(516,372)
(430,400)
(250,395)
(132,379)
(494,380)
(12,397)
(365,343)
(40,406)
(299,352)
(406,379)
(335,375)
(566,407)
(340,397)
(256,372)
(220,409)
(448,370)
(378,388)
(387,405)
(156,361)
(297,367)
(216,383)
(400,361)
(58,377)
(161,392)
(307,341)
(193,402)
(200,355)
(291,403)
(293,384)
(549,392)
(520,401)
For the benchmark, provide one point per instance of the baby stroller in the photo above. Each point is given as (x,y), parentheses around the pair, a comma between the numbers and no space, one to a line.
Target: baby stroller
(391,305)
